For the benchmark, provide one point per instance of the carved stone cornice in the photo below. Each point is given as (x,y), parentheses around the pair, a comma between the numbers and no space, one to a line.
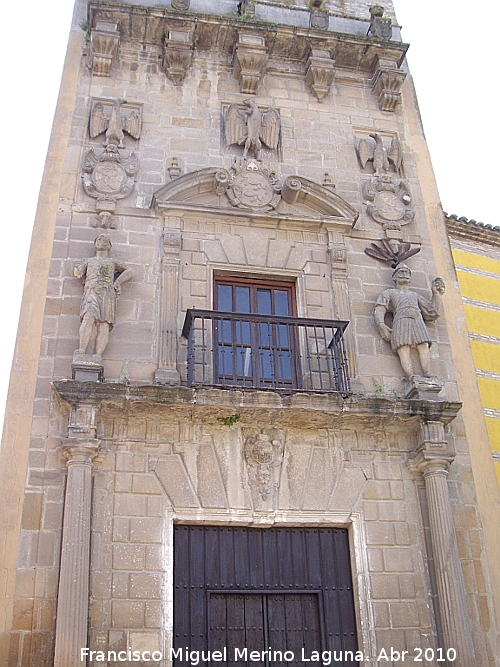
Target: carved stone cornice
(104,40)
(286,45)
(249,62)
(320,72)
(177,55)
(387,82)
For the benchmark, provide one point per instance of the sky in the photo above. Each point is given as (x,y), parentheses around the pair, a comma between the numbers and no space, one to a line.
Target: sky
(452,59)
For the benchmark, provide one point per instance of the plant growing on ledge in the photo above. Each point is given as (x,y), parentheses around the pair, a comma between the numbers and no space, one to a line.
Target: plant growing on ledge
(229,421)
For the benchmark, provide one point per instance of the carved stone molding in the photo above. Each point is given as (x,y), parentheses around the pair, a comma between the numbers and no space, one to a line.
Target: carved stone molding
(264,455)
(104,40)
(320,72)
(249,62)
(177,55)
(387,82)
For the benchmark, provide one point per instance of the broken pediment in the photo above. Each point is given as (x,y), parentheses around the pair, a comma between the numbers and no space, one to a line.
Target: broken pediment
(251,189)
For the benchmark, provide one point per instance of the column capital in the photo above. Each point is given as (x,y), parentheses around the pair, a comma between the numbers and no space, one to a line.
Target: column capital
(428,463)
(81,451)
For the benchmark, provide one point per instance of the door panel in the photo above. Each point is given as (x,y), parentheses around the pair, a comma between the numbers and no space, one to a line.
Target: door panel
(284,588)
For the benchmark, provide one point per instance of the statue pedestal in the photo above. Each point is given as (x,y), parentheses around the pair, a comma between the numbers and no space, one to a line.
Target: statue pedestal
(424,388)
(87,367)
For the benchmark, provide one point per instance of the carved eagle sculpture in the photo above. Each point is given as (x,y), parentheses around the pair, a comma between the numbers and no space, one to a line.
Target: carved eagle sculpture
(252,127)
(380,156)
(115,125)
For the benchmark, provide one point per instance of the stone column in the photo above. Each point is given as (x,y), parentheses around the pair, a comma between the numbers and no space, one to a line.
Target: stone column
(167,372)
(432,460)
(73,593)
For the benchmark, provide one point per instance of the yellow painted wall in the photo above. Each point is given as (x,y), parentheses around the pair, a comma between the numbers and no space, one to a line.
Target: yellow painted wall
(486,355)
(490,392)
(483,321)
(477,287)
(493,426)
(474,261)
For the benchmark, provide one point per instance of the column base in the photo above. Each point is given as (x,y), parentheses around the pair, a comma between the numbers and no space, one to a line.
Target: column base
(424,388)
(167,376)
(87,367)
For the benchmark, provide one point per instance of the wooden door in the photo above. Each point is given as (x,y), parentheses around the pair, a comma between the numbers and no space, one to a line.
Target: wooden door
(284,589)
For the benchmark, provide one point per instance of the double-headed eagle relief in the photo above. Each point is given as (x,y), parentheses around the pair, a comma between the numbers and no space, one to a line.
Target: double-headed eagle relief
(252,128)
(115,124)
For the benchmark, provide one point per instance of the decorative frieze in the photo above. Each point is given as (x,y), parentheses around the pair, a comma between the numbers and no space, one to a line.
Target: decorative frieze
(320,72)
(249,62)
(104,41)
(387,82)
(178,54)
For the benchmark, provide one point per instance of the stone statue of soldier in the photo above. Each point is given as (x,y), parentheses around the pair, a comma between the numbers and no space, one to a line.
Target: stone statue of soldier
(410,312)
(98,306)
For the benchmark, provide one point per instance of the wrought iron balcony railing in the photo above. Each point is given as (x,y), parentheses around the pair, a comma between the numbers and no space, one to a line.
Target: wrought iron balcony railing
(238,350)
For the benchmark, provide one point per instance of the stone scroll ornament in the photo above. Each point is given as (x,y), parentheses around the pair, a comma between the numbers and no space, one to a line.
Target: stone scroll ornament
(103,279)
(387,195)
(264,455)
(408,330)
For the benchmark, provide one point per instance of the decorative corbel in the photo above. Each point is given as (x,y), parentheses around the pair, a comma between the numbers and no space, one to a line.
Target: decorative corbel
(249,62)
(320,71)
(177,55)
(104,40)
(387,82)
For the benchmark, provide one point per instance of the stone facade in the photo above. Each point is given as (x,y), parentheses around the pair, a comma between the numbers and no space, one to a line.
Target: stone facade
(118,455)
